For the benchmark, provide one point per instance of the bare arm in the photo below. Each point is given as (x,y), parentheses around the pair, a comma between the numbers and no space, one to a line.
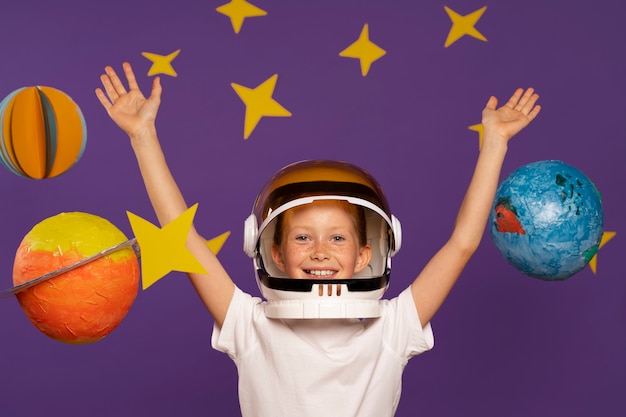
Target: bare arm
(434,283)
(136,116)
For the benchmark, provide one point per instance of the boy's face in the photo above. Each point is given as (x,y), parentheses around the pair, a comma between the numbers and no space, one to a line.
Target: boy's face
(320,240)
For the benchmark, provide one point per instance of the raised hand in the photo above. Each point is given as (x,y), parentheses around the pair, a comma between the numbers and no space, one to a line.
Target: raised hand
(506,121)
(130,110)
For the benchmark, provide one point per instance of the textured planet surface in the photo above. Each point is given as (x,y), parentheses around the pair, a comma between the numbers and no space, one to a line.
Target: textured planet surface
(547,220)
(87,303)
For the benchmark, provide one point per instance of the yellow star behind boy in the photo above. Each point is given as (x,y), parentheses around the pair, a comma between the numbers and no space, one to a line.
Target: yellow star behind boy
(364,50)
(481,133)
(161,64)
(606,236)
(464,25)
(238,10)
(259,103)
(164,250)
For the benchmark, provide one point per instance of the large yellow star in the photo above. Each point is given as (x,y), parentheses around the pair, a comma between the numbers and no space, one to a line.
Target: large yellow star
(481,133)
(238,10)
(364,50)
(464,25)
(259,103)
(164,250)
(161,64)
(606,236)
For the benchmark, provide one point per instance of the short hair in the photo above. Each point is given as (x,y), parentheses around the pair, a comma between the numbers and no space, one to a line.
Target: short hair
(357,214)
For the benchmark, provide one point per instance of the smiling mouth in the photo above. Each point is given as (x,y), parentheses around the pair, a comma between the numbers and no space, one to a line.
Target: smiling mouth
(320,273)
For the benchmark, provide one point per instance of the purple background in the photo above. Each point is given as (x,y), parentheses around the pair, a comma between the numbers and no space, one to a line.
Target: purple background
(506,344)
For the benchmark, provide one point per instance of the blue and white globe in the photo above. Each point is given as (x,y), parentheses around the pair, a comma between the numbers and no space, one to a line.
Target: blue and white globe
(547,220)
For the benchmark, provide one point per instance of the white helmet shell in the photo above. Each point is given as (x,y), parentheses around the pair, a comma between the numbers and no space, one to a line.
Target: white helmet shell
(303,183)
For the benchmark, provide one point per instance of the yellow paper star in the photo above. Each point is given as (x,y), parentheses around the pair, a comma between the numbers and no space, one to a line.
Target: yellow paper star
(238,10)
(217,242)
(259,103)
(164,250)
(481,133)
(606,236)
(464,25)
(161,64)
(364,50)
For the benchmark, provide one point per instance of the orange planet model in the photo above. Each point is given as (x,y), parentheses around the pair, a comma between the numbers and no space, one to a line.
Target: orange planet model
(85,304)
(42,132)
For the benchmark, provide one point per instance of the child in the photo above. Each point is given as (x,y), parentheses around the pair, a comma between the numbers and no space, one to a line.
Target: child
(339,367)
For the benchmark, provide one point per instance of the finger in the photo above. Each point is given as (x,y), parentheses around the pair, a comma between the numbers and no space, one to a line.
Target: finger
(523,101)
(529,104)
(115,81)
(108,87)
(492,103)
(155,94)
(103,99)
(130,76)
(534,112)
(514,98)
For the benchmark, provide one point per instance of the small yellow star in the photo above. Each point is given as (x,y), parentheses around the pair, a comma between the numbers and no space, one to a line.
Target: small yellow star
(481,133)
(217,242)
(238,10)
(161,64)
(606,236)
(164,250)
(464,25)
(364,50)
(259,103)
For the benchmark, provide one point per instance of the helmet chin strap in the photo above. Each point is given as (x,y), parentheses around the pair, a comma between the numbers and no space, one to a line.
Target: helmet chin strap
(290,298)
(307,285)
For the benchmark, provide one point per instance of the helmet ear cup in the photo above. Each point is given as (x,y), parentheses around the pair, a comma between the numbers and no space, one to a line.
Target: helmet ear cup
(397,234)
(250,234)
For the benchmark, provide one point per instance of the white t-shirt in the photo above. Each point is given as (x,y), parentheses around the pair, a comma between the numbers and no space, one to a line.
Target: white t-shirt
(325,367)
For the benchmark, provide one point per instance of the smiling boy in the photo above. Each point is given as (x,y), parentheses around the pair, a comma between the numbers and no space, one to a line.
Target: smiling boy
(347,366)
(321,240)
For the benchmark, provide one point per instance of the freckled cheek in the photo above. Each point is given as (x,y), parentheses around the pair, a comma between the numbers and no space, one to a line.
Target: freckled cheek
(295,254)
(299,253)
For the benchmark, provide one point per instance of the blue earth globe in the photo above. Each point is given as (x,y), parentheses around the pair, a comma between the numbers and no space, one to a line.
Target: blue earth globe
(547,220)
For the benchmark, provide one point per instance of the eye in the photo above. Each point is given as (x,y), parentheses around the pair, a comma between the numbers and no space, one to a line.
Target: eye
(301,238)
(338,239)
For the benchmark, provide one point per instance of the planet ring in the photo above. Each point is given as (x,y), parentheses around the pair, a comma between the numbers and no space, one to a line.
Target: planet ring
(14,290)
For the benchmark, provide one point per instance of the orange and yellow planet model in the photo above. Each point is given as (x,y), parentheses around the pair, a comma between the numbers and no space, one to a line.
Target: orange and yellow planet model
(84,304)
(76,275)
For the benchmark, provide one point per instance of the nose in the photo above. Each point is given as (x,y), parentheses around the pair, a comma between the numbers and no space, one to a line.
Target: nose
(320,251)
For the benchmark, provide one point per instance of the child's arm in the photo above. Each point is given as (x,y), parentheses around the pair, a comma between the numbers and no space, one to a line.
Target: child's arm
(433,284)
(136,115)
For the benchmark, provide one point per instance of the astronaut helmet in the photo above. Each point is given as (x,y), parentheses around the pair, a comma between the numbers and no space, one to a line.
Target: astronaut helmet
(302,183)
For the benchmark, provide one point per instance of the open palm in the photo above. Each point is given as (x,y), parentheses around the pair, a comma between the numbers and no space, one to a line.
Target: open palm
(513,116)
(130,110)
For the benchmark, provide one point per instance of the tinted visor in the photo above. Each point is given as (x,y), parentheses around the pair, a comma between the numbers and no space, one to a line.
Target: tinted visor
(290,192)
